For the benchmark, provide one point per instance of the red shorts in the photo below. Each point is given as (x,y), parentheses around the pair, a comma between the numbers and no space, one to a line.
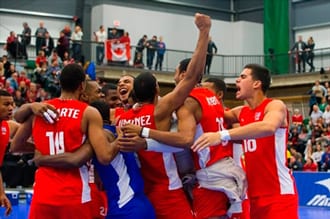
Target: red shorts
(99,203)
(170,204)
(209,203)
(274,207)
(41,211)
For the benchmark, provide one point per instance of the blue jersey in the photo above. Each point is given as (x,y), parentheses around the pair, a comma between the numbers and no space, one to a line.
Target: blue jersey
(123,183)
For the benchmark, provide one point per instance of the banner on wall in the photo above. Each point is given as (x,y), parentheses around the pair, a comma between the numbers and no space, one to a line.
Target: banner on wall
(118,52)
(313,188)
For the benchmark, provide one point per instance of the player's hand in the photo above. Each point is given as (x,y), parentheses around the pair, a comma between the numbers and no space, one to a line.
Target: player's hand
(131,142)
(47,111)
(5,203)
(202,21)
(206,140)
(131,128)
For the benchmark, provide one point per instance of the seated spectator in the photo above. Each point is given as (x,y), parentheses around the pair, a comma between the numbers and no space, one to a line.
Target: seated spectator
(41,58)
(22,77)
(315,114)
(310,165)
(32,93)
(54,56)
(325,159)
(297,119)
(326,116)
(18,99)
(323,104)
(42,95)
(23,88)
(317,155)
(13,80)
(295,163)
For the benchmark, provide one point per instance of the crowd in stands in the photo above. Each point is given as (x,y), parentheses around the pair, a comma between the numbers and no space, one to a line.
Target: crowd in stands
(309,137)
(69,43)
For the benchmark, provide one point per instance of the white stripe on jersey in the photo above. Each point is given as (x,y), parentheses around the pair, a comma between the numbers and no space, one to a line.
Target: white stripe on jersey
(171,171)
(285,180)
(126,192)
(86,190)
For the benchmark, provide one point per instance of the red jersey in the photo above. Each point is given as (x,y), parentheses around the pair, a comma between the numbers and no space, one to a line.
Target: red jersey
(158,169)
(265,158)
(212,121)
(4,139)
(56,186)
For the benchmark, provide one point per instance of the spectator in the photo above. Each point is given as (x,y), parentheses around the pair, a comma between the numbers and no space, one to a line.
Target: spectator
(297,119)
(325,160)
(76,43)
(310,53)
(40,35)
(138,62)
(319,91)
(317,155)
(54,56)
(41,58)
(18,98)
(48,44)
(26,39)
(300,52)
(62,45)
(161,48)
(310,165)
(23,88)
(6,66)
(295,163)
(315,114)
(326,116)
(114,34)
(323,104)
(151,46)
(211,50)
(100,38)
(12,45)
(67,32)
(140,46)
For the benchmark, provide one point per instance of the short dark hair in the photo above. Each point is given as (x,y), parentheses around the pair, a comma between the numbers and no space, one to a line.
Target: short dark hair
(260,73)
(108,86)
(103,108)
(183,65)
(145,85)
(71,77)
(219,84)
(4,93)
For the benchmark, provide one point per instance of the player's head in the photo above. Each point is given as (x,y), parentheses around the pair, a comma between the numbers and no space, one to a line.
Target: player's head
(124,87)
(145,87)
(216,85)
(6,105)
(103,108)
(92,92)
(72,77)
(260,73)
(111,95)
(181,69)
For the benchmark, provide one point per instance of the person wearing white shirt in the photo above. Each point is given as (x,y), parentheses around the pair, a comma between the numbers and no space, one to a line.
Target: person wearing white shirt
(100,37)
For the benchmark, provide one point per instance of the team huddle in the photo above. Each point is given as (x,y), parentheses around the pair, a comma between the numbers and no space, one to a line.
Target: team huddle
(182,155)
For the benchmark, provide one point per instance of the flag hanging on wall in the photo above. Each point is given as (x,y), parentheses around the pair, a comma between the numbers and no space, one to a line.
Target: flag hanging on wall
(117,51)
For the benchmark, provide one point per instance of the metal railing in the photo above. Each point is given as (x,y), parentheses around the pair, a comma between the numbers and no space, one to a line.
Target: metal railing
(222,65)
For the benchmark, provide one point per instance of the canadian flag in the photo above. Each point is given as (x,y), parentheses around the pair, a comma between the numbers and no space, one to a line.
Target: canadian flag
(117,51)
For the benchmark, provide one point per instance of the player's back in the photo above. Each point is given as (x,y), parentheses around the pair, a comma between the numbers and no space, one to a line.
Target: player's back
(56,185)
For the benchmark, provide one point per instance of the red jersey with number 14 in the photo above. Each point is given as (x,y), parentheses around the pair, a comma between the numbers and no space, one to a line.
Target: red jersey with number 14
(57,186)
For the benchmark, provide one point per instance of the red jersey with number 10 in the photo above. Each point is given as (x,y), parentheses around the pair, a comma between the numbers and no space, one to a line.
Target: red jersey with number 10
(57,186)
(265,158)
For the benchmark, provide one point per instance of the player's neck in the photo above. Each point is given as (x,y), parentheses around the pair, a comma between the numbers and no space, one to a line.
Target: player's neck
(256,100)
(69,96)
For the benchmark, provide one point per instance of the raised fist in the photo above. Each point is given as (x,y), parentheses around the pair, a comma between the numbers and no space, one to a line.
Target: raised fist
(202,21)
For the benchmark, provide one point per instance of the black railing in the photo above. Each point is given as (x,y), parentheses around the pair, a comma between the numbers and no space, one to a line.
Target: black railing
(222,65)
